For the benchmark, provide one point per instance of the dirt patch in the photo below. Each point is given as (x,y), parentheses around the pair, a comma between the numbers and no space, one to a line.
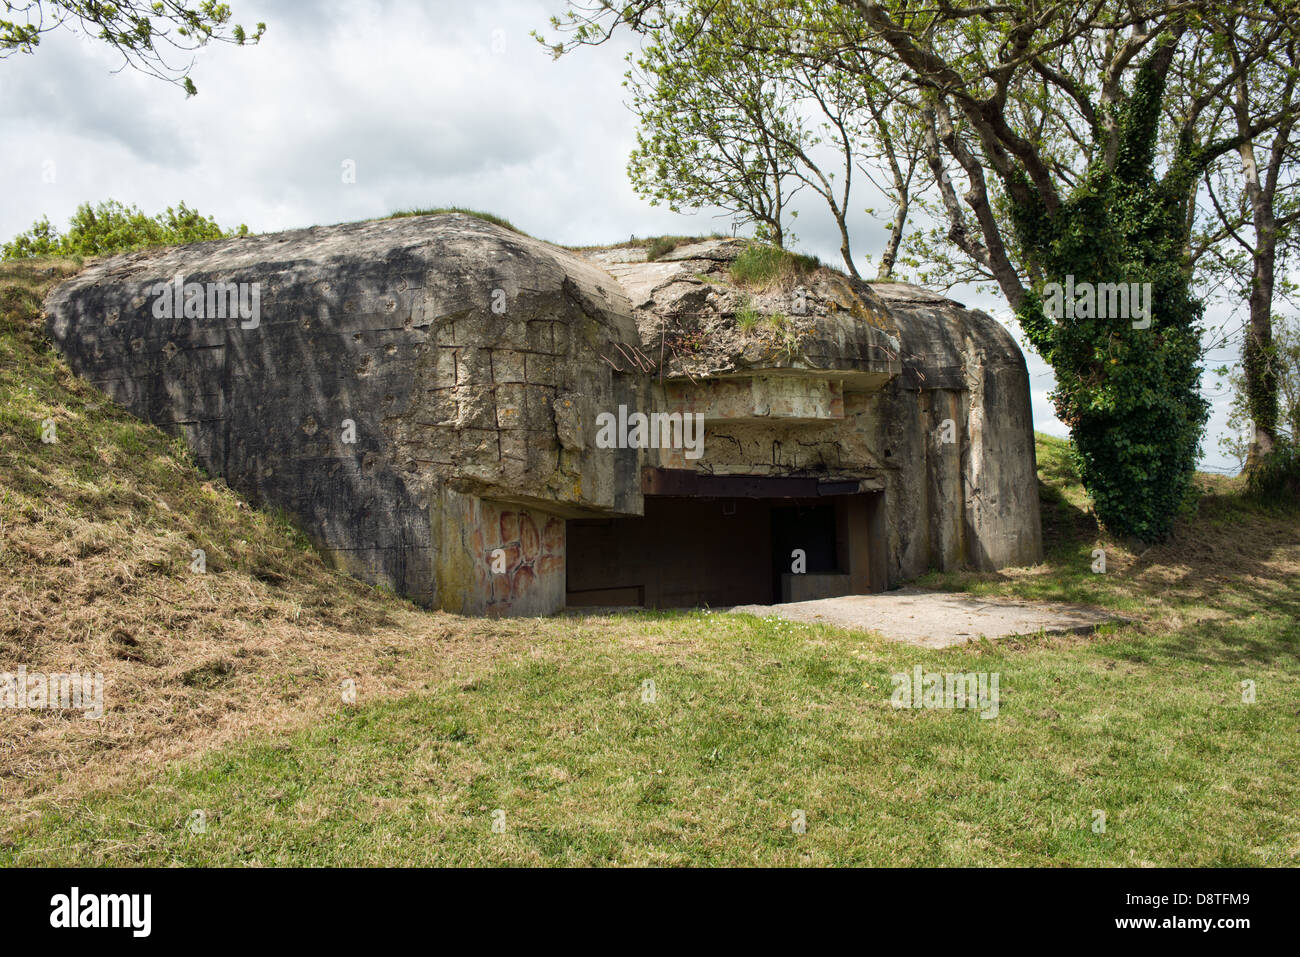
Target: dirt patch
(938,619)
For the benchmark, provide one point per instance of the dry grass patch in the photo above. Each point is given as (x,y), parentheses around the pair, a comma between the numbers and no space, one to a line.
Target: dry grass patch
(97,534)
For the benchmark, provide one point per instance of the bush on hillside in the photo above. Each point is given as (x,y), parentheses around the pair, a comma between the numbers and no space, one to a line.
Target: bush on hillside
(112,227)
(1277,479)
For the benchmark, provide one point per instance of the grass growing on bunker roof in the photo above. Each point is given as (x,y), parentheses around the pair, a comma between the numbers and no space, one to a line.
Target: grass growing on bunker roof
(656,247)
(661,246)
(747,317)
(760,267)
(477,213)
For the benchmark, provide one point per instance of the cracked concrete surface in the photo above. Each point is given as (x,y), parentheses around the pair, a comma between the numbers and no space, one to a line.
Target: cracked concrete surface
(932,619)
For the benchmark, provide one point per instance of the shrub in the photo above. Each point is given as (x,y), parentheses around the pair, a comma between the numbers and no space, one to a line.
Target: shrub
(1277,478)
(111,228)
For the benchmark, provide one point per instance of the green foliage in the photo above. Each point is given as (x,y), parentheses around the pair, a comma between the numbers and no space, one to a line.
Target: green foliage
(784,335)
(144,32)
(1260,382)
(477,213)
(1058,127)
(111,228)
(762,266)
(717,128)
(1131,397)
(1283,356)
(1276,479)
(776,329)
(731,117)
(747,317)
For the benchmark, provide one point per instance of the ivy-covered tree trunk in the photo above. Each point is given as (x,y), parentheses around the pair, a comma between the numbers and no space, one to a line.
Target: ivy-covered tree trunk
(1128,383)
(1258,359)
(1259,362)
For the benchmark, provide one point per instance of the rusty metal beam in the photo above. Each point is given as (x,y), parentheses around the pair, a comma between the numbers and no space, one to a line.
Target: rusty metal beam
(684,483)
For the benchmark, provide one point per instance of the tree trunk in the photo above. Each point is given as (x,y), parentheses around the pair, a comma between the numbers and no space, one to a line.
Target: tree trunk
(890,255)
(1257,361)
(844,245)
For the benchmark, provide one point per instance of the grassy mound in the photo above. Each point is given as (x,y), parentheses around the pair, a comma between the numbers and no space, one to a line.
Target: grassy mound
(222,692)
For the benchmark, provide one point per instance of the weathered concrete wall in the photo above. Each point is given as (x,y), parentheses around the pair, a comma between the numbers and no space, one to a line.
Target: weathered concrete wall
(455,355)
(496,559)
(902,436)
(984,486)
(971,501)
(850,381)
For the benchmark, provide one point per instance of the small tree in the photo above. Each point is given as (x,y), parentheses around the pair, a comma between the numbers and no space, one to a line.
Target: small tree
(713,133)
(1239,443)
(1259,208)
(730,111)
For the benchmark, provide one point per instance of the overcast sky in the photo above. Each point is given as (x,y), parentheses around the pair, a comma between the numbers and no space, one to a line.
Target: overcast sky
(436,103)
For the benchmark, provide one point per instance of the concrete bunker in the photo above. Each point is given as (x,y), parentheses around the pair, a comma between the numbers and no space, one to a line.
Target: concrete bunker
(422,395)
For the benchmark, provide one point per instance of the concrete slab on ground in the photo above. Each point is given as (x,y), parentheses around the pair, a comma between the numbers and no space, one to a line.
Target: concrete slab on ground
(933,619)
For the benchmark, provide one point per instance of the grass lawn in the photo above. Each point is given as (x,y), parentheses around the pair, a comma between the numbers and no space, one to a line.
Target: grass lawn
(752,721)
(537,741)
